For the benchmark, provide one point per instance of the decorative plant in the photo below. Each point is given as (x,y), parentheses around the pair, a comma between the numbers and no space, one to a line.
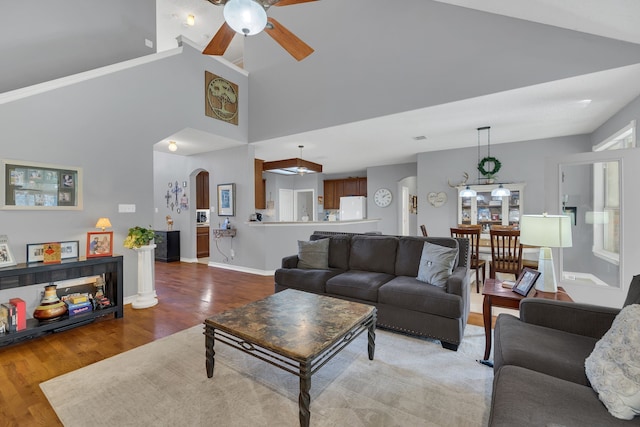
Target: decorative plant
(139,236)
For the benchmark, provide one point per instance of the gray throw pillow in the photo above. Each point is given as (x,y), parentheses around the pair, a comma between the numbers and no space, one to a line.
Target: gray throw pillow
(436,264)
(313,255)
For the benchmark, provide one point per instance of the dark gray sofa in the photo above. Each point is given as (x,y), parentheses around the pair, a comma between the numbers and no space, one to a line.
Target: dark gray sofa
(539,364)
(381,271)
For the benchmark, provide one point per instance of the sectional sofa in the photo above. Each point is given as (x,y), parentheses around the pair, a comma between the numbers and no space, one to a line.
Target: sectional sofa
(382,271)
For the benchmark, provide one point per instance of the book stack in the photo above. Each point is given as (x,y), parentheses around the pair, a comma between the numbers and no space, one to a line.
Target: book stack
(21,313)
(8,320)
(78,304)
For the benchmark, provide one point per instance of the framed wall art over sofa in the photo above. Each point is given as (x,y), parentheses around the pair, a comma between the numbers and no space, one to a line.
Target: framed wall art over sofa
(30,185)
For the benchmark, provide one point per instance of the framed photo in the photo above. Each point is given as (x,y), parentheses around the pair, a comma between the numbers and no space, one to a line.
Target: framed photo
(6,256)
(40,186)
(226,200)
(68,249)
(99,243)
(526,281)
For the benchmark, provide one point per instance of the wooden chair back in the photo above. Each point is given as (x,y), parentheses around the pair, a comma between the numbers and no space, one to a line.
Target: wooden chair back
(472,232)
(506,252)
(424,230)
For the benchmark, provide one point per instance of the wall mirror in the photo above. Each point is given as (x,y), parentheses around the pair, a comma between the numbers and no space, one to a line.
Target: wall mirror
(591,194)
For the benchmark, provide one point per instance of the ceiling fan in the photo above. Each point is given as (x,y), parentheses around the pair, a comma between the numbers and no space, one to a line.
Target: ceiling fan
(249,17)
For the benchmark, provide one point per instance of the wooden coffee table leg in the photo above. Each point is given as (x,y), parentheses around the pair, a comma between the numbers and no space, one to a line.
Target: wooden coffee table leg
(209,351)
(304,400)
(486,315)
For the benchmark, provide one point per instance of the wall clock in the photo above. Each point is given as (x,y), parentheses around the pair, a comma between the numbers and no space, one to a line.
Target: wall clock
(437,199)
(383,197)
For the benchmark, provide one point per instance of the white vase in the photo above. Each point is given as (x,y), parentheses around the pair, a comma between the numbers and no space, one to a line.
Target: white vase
(146,290)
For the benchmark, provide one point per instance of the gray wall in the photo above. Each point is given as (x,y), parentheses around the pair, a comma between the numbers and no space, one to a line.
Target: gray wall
(41,40)
(387,177)
(108,125)
(522,162)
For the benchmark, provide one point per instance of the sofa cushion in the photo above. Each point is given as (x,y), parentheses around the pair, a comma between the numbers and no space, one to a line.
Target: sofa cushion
(613,367)
(356,284)
(314,254)
(526,398)
(305,280)
(373,253)
(550,351)
(436,264)
(407,292)
(339,247)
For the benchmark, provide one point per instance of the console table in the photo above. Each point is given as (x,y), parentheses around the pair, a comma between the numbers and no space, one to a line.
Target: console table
(109,267)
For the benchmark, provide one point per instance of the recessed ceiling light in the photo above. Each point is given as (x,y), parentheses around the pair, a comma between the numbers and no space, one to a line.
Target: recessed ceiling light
(419,137)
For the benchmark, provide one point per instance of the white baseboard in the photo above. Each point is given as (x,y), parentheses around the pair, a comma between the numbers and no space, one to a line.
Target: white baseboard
(242,269)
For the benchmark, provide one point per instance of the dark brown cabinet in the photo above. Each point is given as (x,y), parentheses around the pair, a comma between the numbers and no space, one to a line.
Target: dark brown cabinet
(202,190)
(260,185)
(336,188)
(168,246)
(202,242)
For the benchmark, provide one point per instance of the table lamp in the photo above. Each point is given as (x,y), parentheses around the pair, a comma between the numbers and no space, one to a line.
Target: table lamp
(103,223)
(546,231)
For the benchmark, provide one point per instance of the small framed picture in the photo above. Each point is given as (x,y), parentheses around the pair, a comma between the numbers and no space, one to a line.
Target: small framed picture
(69,249)
(6,256)
(99,243)
(526,281)
(226,200)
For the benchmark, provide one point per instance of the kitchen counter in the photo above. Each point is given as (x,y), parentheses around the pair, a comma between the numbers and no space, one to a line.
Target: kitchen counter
(314,223)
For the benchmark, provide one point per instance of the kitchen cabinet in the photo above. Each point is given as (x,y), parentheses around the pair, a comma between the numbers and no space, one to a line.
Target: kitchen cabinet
(260,185)
(202,242)
(202,190)
(336,188)
(487,210)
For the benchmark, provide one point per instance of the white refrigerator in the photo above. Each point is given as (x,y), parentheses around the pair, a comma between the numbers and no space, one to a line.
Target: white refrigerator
(352,208)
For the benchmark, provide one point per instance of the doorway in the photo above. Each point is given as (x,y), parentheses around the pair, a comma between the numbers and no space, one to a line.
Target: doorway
(202,228)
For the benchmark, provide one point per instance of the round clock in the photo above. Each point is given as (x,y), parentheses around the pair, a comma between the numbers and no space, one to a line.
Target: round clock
(383,197)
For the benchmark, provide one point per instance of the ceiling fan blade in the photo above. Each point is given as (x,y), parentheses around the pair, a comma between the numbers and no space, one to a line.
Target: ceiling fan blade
(220,42)
(290,2)
(285,38)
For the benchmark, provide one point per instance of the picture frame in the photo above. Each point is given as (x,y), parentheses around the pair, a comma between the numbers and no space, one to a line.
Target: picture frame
(40,186)
(6,256)
(525,281)
(99,243)
(68,249)
(227,199)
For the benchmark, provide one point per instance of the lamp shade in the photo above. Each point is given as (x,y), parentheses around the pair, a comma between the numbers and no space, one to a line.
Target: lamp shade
(468,192)
(553,231)
(500,192)
(245,16)
(103,223)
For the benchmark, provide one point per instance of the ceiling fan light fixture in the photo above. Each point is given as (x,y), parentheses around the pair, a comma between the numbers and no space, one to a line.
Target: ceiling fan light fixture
(246,17)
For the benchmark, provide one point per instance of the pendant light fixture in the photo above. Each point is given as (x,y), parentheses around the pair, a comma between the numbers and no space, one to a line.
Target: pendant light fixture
(500,192)
(468,192)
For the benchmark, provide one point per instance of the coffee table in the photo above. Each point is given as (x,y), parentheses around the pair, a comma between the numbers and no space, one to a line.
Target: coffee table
(293,330)
(497,295)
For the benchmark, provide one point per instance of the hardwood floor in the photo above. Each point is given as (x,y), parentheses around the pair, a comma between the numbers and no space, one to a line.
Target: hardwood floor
(188,294)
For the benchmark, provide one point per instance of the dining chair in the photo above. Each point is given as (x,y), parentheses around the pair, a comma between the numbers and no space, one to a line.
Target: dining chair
(506,252)
(424,230)
(472,232)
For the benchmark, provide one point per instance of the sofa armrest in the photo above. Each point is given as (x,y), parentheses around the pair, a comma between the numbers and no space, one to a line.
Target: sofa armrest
(576,318)
(458,282)
(290,261)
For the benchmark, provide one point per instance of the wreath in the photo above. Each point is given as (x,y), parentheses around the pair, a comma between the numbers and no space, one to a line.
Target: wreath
(489,173)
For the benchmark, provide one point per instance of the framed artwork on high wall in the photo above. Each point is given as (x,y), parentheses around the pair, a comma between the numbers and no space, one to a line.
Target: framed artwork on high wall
(226,200)
(40,186)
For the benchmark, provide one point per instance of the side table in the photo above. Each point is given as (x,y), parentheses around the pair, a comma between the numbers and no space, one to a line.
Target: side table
(497,295)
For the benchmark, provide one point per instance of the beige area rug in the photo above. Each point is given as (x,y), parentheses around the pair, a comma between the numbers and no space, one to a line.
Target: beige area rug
(410,382)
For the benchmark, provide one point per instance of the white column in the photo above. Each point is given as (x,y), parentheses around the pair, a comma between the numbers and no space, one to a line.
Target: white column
(146,287)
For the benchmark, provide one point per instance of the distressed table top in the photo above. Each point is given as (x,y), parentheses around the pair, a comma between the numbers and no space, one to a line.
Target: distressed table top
(296,324)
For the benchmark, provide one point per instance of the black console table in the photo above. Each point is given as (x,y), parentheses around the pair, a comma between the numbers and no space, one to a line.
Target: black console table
(33,274)
(167,246)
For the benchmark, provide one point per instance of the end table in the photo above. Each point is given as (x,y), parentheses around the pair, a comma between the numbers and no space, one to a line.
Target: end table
(497,295)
